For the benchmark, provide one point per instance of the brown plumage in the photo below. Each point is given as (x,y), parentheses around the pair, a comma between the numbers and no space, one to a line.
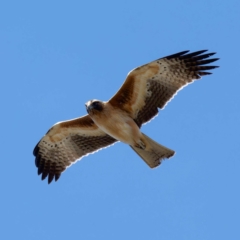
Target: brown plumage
(145,89)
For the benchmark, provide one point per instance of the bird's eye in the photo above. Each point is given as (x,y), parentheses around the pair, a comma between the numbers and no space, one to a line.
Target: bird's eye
(97,106)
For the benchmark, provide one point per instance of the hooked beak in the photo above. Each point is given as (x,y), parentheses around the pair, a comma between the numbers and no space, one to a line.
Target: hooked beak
(88,106)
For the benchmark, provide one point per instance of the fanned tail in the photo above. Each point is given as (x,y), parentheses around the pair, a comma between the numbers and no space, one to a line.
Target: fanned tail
(154,153)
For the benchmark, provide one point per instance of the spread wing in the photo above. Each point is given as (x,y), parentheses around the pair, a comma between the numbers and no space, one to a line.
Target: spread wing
(65,143)
(151,86)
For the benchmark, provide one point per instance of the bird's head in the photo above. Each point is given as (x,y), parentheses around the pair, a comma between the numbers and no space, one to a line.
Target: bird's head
(94,106)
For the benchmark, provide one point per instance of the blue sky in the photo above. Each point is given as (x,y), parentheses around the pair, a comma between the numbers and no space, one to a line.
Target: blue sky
(55,56)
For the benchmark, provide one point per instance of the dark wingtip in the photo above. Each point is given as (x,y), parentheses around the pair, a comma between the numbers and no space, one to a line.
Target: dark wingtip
(193,54)
(203,62)
(204,73)
(50,177)
(211,67)
(35,150)
(44,169)
(37,161)
(44,175)
(187,55)
(196,62)
(212,53)
(177,54)
(57,176)
(40,170)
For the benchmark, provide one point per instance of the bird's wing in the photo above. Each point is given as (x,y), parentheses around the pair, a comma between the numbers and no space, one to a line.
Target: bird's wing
(65,143)
(152,85)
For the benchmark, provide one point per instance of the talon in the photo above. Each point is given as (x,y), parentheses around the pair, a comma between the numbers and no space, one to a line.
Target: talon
(140,145)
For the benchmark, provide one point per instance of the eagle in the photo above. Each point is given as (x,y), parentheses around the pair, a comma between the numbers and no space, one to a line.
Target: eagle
(146,89)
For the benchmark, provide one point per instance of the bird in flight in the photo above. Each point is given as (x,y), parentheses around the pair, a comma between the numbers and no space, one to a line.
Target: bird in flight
(146,89)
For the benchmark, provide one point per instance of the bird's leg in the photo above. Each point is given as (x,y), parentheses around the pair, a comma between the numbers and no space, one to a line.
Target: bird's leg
(140,144)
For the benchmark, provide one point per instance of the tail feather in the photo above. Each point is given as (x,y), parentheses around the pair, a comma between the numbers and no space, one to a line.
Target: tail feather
(154,153)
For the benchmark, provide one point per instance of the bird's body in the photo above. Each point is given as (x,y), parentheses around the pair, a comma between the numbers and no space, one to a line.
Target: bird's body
(116,123)
(145,90)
